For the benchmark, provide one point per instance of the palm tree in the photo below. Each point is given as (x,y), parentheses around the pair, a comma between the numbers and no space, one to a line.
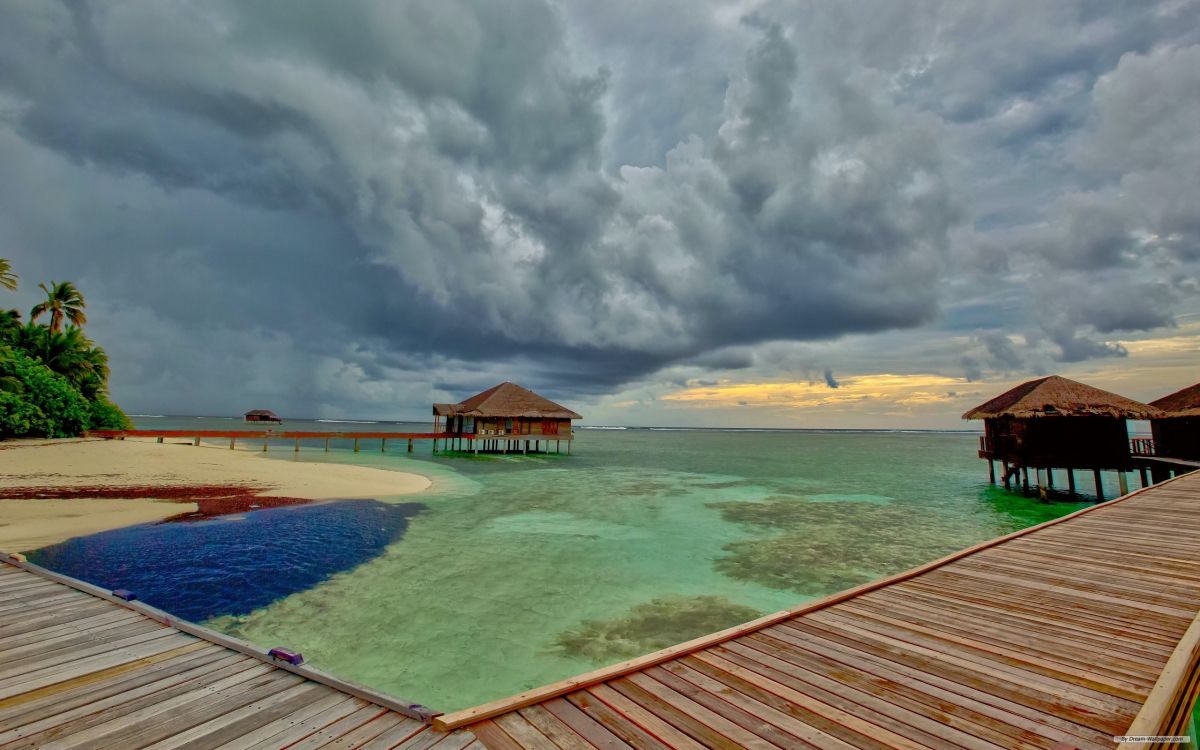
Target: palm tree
(10,325)
(8,279)
(68,353)
(63,300)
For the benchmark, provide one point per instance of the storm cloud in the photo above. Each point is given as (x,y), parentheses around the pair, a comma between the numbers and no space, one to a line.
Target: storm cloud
(354,208)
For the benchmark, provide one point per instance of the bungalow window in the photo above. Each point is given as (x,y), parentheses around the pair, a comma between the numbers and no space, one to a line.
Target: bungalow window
(508,425)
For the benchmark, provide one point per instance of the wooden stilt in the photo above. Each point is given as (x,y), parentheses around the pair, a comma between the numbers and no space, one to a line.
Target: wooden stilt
(382,445)
(1099,484)
(1025,477)
(265,441)
(160,439)
(356,445)
(991,471)
(558,446)
(1071,481)
(231,442)
(195,441)
(326,445)
(1049,477)
(410,441)
(1144,478)
(1123,483)
(297,448)
(1007,476)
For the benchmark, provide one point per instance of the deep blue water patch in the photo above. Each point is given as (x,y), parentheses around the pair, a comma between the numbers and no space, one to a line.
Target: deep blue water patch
(232,565)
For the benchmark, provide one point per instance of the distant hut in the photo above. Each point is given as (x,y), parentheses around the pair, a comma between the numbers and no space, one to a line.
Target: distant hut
(1054,422)
(503,418)
(262,415)
(1177,429)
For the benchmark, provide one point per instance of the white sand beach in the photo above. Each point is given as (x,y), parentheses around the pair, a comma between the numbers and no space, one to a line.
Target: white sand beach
(27,524)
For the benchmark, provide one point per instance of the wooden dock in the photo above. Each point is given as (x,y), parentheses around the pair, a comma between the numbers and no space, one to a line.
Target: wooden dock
(1059,636)
(511,442)
(80,668)
(1063,635)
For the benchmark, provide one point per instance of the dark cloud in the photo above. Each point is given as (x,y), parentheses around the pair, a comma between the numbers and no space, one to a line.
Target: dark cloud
(371,202)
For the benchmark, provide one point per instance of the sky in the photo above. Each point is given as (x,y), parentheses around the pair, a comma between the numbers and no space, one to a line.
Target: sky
(769,213)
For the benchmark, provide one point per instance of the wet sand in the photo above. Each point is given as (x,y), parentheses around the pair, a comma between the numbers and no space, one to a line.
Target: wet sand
(52,490)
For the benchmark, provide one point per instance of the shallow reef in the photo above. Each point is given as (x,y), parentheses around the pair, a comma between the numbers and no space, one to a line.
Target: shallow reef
(651,626)
(826,546)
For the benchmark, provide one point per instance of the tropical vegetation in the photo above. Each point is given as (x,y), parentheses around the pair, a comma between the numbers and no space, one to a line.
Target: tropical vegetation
(53,378)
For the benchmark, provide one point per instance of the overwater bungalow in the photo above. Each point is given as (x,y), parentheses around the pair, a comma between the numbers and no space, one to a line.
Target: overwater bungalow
(1177,430)
(505,418)
(262,415)
(1054,422)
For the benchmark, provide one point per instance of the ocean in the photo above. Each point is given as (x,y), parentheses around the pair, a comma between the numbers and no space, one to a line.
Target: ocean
(514,571)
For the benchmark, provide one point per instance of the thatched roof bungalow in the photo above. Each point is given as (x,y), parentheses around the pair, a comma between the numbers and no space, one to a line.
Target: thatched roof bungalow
(1054,422)
(505,412)
(262,415)
(1177,429)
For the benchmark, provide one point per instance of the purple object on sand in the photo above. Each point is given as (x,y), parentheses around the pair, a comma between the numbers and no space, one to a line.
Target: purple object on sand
(125,594)
(282,654)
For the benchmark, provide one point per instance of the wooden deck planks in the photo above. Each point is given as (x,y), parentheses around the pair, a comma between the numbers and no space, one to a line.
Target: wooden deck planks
(81,671)
(1055,637)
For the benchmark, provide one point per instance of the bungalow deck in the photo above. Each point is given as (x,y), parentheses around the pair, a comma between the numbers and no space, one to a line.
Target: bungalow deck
(1063,635)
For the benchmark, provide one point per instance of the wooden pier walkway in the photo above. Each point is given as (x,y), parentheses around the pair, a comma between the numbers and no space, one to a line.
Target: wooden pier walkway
(80,669)
(1059,636)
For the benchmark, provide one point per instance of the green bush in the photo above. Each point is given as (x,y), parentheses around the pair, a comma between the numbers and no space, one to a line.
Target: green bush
(17,415)
(105,415)
(58,409)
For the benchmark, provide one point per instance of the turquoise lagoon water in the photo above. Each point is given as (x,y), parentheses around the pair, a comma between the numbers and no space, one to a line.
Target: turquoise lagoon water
(521,570)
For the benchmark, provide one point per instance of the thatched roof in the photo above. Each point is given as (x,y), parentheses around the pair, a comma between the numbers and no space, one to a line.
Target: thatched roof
(261,413)
(1056,396)
(506,400)
(1184,403)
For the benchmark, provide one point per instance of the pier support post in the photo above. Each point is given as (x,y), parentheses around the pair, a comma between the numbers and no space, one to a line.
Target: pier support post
(410,445)
(326,445)
(231,442)
(383,445)
(1025,477)
(265,444)
(195,441)
(1143,477)
(1071,481)
(1049,478)
(558,446)
(1123,483)
(991,471)
(1099,484)
(356,445)
(1007,475)
(297,448)
(160,438)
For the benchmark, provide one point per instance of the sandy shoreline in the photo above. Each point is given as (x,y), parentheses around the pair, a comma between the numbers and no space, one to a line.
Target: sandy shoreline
(27,524)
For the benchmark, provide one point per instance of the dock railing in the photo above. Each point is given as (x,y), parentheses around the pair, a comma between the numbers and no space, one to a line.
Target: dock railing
(1141,446)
